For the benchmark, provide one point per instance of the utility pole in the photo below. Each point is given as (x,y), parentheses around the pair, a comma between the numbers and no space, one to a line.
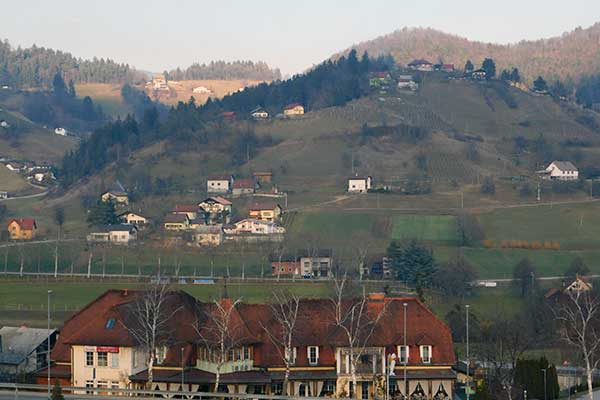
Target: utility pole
(539,192)
(405,361)
(468,361)
(48,350)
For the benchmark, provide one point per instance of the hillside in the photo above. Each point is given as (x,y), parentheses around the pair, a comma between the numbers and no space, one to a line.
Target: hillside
(573,54)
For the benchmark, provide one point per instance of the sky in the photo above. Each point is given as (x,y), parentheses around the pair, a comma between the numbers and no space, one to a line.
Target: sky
(155,35)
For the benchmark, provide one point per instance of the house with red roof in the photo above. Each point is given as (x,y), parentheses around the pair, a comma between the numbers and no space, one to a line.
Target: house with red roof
(293,109)
(22,228)
(243,186)
(186,209)
(96,349)
(265,211)
(219,183)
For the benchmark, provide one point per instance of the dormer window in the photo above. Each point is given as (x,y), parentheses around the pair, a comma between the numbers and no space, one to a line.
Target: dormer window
(425,354)
(403,354)
(313,355)
(110,323)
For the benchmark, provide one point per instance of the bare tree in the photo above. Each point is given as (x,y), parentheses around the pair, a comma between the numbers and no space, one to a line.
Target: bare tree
(580,320)
(355,320)
(147,323)
(284,309)
(219,333)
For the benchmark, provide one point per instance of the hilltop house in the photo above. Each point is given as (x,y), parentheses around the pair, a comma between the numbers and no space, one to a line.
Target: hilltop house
(208,235)
(23,350)
(219,183)
(132,218)
(22,229)
(201,90)
(116,193)
(265,211)
(420,65)
(293,109)
(560,170)
(96,349)
(60,131)
(359,184)
(114,234)
(259,113)
(176,222)
(187,209)
(580,284)
(243,186)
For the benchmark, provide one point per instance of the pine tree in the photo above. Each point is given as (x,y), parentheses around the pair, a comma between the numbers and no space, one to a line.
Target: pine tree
(413,263)
(102,213)
(469,67)
(489,66)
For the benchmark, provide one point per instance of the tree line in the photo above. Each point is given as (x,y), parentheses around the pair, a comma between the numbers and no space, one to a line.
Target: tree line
(257,71)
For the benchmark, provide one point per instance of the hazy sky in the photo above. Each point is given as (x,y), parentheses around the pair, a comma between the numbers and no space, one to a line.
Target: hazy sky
(161,34)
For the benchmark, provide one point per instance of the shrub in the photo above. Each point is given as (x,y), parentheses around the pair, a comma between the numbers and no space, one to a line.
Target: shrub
(488,243)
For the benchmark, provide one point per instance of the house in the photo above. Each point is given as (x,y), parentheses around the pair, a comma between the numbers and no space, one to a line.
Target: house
(447,67)
(377,266)
(121,234)
(259,113)
(219,183)
(254,227)
(378,79)
(293,109)
(159,83)
(263,177)
(359,184)
(265,211)
(208,236)
(4,124)
(580,284)
(60,131)
(132,218)
(420,65)
(201,90)
(311,262)
(22,229)
(407,82)
(196,223)
(3,195)
(560,170)
(176,222)
(215,210)
(15,166)
(96,349)
(479,75)
(243,186)
(23,350)
(116,193)
(190,210)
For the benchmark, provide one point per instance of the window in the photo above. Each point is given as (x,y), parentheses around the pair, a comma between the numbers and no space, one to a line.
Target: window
(89,359)
(426,354)
(313,355)
(110,323)
(364,390)
(102,359)
(89,384)
(246,353)
(277,388)
(114,360)
(230,355)
(403,354)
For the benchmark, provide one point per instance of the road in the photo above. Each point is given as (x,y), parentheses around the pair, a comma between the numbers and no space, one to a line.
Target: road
(29,196)
(37,242)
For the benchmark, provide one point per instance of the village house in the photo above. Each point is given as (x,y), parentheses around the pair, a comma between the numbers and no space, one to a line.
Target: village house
(263,177)
(253,226)
(197,223)
(15,166)
(132,218)
(293,109)
(22,228)
(265,211)
(259,113)
(309,263)
(95,349)
(407,82)
(359,184)
(578,285)
(377,266)
(228,115)
(420,65)
(216,209)
(201,90)
(379,79)
(219,183)
(208,236)
(60,131)
(479,75)
(176,222)
(187,209)
(3,195)
(23,350)
(560,170)
(243,186)
(116,193)
(121,234)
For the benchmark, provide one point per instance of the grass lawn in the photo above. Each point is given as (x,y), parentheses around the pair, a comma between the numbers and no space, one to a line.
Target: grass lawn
(439,228)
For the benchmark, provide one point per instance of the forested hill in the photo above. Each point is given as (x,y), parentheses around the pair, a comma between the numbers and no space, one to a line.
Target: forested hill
(572,55)
(36,67)
(258,71)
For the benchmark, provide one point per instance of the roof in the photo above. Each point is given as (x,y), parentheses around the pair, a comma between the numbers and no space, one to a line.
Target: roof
(131,212)
(447,66)
(564,165)
(116,228)
(18,342)
(244,184)
(379,74)
(219,177)
(293,105)
(26,224)
(217,199)
(185,208)
(479,71)
(419,62)
(228,114)
(258,109)
(359,178)
(176,218)
(117,189)
(257,206)
(212,229)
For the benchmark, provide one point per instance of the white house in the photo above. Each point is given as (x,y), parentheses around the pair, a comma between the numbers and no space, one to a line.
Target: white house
(254,226)
(359,184)
(219,183)
(561,170)
(407,82)
(4,124)
(259,113)
(115,234)
(60,131)
(132,218)
(420,65)
(202,90)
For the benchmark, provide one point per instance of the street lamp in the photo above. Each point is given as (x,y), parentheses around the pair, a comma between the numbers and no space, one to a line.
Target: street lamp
(468,389)
(544,371)
(405,361)
(48,349)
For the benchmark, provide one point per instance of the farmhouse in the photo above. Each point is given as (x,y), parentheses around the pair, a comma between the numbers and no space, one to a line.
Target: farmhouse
(259,113)
(560,170)
(293,109)
(580,284)
(176,222)
(208,235)
(114,234)
(201,90)
(95,348)
(243,186)
(359,184)
(22,229)
(116,193)
(190,210)
(132,218)
(420,65)
(219,183)
(265,211)
(23,349)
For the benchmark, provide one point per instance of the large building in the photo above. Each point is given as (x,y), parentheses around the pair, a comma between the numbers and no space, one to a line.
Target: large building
(96,348)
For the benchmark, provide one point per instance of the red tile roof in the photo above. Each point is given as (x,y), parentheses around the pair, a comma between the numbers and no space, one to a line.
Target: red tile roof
(262,174)
(244,184)
(185,208)
(26,224)
(219,199)
(263,206)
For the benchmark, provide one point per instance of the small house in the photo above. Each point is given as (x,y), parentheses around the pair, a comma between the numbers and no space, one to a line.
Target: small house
(293,109)
(263,177)
(4,124)
(259,113)
(219,183)
(560,170)
(265,211)
(359,184)
(215,205)
(407,82)
(201,90)
(22,229)
(176,222)
(579,285)
(60,131)
(121,234)
(3,195)
(479,75)
(314,263)
(132,218)
(190,210)
(208,236)
(116,193)
(447,67)
(254,227)
(420,65)
(243,186)
(228,115)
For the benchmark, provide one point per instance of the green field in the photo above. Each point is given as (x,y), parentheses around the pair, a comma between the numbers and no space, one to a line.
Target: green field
(438,228)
